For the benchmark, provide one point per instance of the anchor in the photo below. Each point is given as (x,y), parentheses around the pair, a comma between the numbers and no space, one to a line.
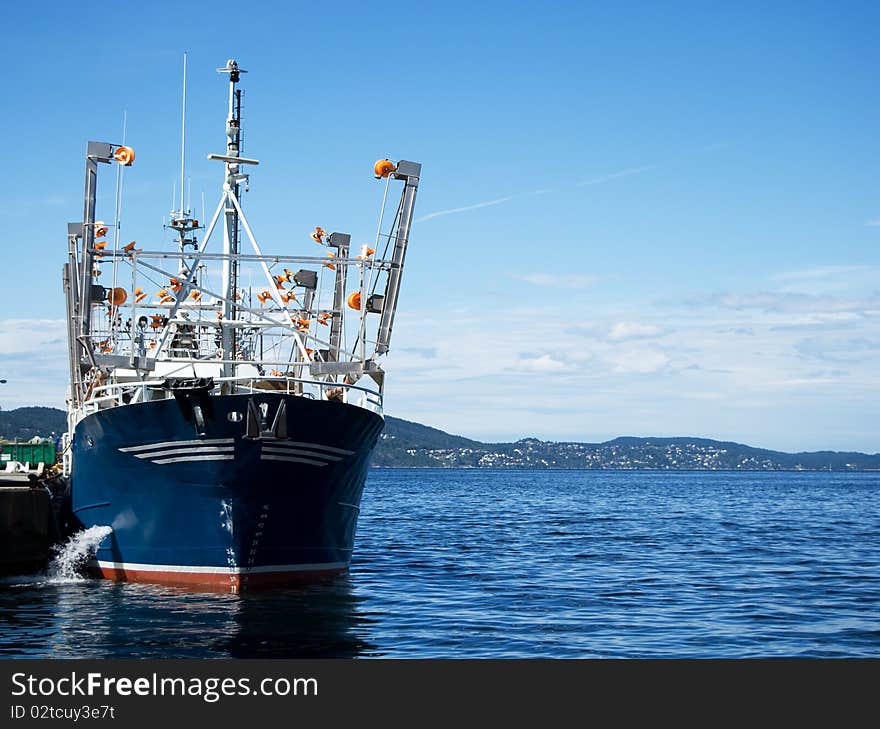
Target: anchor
(255,425)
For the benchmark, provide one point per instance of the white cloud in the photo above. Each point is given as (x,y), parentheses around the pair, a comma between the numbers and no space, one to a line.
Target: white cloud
(555,280)
(640,361)
(739,373)
(817,272)
(33,360)
(37,336)
(544,363)
(625,330)
(844,280)
(785,302)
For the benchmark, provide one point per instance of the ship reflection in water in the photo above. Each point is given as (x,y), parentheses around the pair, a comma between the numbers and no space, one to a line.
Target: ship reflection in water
(46,617)
(318,621)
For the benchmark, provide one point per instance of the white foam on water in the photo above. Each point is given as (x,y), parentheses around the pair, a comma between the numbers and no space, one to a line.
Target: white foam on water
(72,555)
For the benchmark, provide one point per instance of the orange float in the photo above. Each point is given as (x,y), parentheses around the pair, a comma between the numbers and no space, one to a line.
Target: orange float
(124,155)
(383,168)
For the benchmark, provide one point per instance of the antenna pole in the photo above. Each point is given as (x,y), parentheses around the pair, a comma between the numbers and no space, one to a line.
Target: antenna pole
(183,138)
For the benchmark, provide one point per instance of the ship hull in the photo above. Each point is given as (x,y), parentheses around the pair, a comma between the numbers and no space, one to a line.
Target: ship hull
(203,502)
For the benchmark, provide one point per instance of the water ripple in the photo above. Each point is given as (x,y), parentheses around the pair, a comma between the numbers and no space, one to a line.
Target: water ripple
(525,564)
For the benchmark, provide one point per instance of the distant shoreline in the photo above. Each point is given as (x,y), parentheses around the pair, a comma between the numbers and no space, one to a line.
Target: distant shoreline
(405,444)
(625,470)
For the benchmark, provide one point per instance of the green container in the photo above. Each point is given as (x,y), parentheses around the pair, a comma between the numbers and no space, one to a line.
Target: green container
(32,453)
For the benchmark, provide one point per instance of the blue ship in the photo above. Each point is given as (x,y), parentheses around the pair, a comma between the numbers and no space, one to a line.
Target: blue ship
(224,432)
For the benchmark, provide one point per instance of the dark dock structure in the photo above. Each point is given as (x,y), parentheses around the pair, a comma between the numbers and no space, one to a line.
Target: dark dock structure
(26,525)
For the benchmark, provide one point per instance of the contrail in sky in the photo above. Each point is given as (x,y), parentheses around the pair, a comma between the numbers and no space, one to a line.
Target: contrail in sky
(464,209)
(615,175)
(489,203)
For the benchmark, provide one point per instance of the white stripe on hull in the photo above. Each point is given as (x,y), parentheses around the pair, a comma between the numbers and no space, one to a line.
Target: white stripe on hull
(217,570)
(294,459)
(223,449)
(297,444)
(178,443)
(184,459)
(300,452)
(182,451)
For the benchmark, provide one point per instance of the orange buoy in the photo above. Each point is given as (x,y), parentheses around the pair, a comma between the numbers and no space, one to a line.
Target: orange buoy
(383,168)
(354,300)
(117,296)
(124,155)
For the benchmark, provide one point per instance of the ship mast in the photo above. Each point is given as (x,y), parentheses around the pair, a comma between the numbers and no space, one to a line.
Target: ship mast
(231,185)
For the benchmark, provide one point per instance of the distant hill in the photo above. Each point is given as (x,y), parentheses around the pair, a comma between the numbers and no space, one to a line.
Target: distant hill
(25,423)
(405,444)
(399,432)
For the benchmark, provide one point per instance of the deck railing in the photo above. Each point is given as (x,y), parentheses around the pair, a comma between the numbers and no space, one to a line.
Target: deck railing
(126,393)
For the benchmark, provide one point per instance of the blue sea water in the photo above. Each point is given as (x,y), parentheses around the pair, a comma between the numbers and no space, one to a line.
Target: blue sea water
(511,564)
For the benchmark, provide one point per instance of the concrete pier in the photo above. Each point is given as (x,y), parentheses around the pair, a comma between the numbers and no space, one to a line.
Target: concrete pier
(25,525)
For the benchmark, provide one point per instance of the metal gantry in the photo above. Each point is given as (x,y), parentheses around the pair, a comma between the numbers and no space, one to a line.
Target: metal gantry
(199,321)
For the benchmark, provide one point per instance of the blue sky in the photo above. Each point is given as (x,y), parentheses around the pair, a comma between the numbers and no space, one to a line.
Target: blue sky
(641,219)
